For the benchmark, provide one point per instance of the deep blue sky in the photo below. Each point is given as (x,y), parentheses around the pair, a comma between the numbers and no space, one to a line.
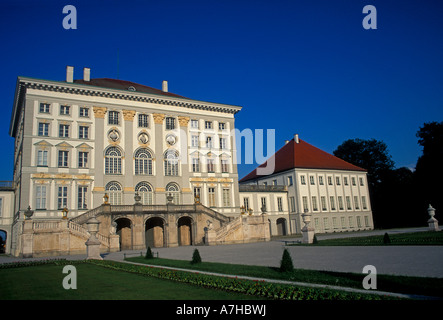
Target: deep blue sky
(306,67)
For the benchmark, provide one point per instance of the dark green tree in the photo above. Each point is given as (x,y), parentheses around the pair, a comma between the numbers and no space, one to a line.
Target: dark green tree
(149,254)
(196,257)
(286,262)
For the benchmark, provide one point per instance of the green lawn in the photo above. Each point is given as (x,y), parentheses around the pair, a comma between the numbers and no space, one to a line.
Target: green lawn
(94,282)
(399,284)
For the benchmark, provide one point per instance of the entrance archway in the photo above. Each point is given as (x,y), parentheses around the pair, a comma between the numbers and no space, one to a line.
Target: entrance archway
(124,230)
(155,232)
(281,226)
(184,226)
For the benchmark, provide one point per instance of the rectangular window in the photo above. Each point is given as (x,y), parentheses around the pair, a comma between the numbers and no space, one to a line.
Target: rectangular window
(330,181)
(64,110)
(345,181)
(208,124)
(353,181)
(332,201)
(263,203)
(302,180)
(314,203)
(351,222)
(292,201)
(316,223)
(84,112)
(342,219)
(211,197)
(246,203)
(363,202)
(337,181)
(42,158)
(211,165)
(82,192)
(311,180)
(348,203)
(334,222)
(340,202)
(361,181)
(305,203)
(40,197)
(221,126)
(195,165)
(43,129)
(143,120)
(323,203)
(223,144)
(63,159)
(113,117)
(208,142)
(83,159)
(366,221)
(280,204)
(326,223)
(83,132)
(320,180)
(63,131)
(289,181)
(62,197)
(194,141)
(44,107)
(226,198)
(170,123)
(358,222)
(194,123)
(274,182)
(356,203)
(224,165)
(197,193)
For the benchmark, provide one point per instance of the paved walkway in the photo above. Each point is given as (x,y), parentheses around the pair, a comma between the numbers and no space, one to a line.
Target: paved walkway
(422,261)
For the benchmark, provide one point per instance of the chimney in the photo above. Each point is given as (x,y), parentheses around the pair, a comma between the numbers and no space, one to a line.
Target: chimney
(87,74)
(69,74)
(296,138)
(165,86)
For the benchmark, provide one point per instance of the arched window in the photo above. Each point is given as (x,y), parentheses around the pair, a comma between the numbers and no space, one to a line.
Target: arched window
(143,162)
(171,163)
(113,161)
(174,190)
(146,192)
(114,191)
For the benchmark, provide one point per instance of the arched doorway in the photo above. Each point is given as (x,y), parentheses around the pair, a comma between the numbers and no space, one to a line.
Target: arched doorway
(155,232)
(281,226)
(124,230)
(184,232)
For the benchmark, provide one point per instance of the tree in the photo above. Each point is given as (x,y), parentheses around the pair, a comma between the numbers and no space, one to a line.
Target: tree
(286,262)
(429,171)
(196,257)
(149,254)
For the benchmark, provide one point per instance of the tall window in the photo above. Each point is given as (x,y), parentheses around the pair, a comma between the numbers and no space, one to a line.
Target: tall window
(146,192)
(314,203)
(84,112)
(356,203)
(113,117)
(44,108)
(197,193)
(211,165)
(246,203)
(263,203)
(171,163)
(280,204)
(114,191)
(82,202)
(348,203)
(302,180)
(221,126)
(311,180)
(223,144)
(195,165)
(82,159)
(194,123)
(340,202)
(143,162)
(208,142)
(63,158)
(323,203)
(170,123)
(40,197)
(83,132)
(143,120)
(224,165)
(63,131)
(42,158)
(363,202)
(305,203)
(113,161)
(43,129)
(208,124)
(211,197)
(62,197)
(194,141)
(292,201)
(226,198)
(320,180)
(174,190)
(332,201)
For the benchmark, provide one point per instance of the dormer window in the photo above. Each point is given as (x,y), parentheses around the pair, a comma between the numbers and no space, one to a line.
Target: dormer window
(131,88)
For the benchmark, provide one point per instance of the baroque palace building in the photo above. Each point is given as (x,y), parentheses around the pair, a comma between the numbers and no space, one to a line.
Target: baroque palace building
(155,169)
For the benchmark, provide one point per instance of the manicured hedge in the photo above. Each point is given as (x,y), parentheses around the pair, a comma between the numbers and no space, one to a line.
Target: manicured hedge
(256,288)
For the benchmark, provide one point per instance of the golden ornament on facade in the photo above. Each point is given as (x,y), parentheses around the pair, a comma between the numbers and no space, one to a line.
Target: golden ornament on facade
(99,112)
(158,118)
(128,115)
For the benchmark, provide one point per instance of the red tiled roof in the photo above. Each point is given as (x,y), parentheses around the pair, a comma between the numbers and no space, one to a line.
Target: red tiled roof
(303,155)
(124,85)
